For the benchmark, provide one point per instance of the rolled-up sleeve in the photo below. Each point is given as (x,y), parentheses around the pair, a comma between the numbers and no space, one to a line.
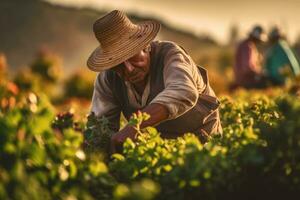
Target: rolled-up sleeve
(182,84)
(104,103)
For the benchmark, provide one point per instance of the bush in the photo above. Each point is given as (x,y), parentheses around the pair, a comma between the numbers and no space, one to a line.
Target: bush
(80,85)
(38,162)
(47,66)
(257,157)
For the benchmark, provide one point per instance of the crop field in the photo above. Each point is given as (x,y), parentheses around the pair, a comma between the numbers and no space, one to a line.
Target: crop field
(53,148)
(50,153)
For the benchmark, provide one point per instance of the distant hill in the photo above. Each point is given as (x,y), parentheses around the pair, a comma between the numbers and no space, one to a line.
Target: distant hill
(26,26)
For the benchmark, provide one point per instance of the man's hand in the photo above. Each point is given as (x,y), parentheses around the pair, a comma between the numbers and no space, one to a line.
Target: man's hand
(157,113)
(119,138)
(127,132)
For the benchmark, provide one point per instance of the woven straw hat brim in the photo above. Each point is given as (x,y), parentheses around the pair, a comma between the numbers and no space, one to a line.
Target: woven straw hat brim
(101,60)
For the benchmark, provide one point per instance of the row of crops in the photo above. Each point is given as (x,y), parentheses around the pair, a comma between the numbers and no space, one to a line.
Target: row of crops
(48,156)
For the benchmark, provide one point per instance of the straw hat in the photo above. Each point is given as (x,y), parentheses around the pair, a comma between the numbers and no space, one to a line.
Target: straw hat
(119,40)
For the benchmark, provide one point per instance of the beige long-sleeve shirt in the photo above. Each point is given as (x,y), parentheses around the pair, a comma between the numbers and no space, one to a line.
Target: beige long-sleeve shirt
(183,84)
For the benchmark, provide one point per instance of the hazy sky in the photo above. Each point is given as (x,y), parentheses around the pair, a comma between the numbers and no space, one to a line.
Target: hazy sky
(209,16)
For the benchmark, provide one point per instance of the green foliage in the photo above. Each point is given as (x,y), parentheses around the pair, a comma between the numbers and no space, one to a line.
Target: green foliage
(145,189)
(97,135)
(27,81)
(37,162)
(257,157)
(47,67)
(64,121)
(259,152)
(79,85)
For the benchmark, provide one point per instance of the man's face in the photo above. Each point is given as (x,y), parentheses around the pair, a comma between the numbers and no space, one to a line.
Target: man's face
(136,68)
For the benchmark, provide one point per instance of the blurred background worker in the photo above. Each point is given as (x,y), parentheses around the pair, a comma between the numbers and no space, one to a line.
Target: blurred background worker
(248,60)
(281,62)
